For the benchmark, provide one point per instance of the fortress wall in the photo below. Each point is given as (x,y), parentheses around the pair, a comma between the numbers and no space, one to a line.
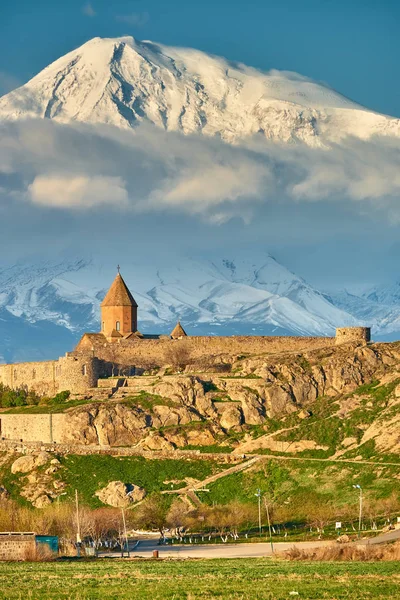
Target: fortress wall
(74,372)
(137,351)
(46,428)
(38,376)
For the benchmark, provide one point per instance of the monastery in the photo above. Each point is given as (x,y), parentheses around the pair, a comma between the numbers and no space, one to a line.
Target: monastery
(120,347)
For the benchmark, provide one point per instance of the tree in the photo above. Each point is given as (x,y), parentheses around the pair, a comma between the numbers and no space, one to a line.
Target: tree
(177,354)
(152,513)
(177,516)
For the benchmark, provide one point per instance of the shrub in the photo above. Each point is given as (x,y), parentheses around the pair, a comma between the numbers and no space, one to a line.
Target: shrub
(61,397)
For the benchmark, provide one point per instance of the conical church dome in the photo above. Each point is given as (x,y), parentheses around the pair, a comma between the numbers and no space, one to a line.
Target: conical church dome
(119,294)
(178,331)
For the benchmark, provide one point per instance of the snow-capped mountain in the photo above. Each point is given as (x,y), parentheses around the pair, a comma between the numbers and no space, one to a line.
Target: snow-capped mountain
(380,307)
(123,82)
(45,306)
(224,296)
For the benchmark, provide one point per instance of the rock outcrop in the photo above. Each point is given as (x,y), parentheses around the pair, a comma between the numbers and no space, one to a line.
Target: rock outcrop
(25,464)
(120,495)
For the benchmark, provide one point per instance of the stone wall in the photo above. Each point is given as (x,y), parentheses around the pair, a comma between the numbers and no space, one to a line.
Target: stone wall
(144,351)
(75,372)
(345,335)
(17,546)
(39,376)
(46,428)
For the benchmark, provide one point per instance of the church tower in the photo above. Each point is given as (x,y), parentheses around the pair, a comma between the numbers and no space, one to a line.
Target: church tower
(118,310)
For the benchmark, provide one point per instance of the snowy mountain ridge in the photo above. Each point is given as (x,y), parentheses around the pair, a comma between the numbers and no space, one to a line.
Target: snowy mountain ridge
(123,82)
(227,296)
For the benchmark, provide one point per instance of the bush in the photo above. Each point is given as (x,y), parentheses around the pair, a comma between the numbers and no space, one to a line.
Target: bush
(61,397)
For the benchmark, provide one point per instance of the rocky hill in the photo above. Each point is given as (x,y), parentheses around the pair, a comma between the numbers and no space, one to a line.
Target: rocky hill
(341,401)
(339,405)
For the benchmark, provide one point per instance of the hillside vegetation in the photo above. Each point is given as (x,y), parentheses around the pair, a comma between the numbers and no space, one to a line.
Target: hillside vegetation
(324,421)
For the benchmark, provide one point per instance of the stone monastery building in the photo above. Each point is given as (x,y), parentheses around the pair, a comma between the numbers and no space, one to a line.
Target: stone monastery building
(120,348)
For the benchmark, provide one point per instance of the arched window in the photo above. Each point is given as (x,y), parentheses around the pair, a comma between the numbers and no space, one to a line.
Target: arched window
(104,326)
(84,370)
(117,325)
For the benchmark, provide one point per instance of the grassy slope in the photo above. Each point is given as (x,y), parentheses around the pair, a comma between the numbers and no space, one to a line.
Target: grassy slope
(88,474)
(298,483)
(189,580)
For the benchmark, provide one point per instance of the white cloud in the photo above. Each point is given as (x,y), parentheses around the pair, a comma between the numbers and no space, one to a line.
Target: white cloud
(79,166)
(61,191)
(137,19)
(88,10)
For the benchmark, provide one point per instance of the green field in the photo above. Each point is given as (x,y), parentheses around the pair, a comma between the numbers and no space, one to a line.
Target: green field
(188,580)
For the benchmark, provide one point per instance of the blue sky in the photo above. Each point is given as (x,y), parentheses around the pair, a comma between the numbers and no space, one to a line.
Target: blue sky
(353,45)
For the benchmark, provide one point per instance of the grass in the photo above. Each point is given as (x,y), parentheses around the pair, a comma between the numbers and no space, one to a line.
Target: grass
(147,401)
(224,579)
(90,473)
(300,483)
(50,407)
(328,430)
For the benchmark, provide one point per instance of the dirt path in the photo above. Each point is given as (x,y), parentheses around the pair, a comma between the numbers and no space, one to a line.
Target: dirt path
(340,461)
(190,489)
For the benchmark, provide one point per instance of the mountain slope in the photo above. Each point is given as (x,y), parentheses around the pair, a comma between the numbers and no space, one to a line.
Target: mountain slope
(123,81)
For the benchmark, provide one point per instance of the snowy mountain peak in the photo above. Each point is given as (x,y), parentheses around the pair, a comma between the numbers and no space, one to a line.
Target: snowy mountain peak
(122,82)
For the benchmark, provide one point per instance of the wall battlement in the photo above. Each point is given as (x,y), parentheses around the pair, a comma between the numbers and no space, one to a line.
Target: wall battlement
(345,335)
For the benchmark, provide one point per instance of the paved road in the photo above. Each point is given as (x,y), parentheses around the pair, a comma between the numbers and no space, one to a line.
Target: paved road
(382,538)
(146,547)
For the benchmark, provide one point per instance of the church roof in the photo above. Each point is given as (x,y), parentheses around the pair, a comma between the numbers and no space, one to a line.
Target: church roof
(178,331)
(118,294)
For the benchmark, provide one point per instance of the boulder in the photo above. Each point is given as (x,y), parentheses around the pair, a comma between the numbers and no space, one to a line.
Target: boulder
(41,501)
(42,458)
(343,539)
(231,417)
(200,438)
(154,441)
(120,495)
(51,470)
(25,464)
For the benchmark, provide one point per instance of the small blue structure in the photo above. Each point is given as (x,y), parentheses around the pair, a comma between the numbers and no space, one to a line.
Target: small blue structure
(49,540)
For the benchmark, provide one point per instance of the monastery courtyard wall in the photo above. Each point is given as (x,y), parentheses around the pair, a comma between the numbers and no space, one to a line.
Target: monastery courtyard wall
(133,352)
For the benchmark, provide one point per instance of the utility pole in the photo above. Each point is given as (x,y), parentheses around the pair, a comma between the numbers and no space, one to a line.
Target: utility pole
(125,532)
(358,487)
(78,524)
(269,525)
(258,494)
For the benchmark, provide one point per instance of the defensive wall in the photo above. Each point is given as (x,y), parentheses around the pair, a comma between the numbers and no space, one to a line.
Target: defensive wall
(46,428)
(66,449)
(133,352)
(76,372)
